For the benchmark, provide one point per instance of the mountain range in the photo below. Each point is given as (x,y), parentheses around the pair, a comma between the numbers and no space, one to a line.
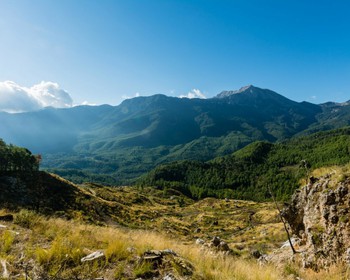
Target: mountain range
(130,139)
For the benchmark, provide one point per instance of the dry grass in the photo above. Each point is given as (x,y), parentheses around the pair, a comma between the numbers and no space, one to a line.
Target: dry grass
(336,173)
(54,247)
(333,273)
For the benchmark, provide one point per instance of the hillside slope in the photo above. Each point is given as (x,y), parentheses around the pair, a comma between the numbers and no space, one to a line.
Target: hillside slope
(160,235)
(256,170)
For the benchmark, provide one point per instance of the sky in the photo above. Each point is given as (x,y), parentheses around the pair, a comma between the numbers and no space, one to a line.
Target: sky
(67,52)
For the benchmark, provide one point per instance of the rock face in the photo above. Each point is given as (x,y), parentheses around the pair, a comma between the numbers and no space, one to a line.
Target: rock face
(319,216)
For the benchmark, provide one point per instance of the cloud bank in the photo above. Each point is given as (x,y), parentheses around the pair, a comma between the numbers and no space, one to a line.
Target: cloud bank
(15,98)
(194,93)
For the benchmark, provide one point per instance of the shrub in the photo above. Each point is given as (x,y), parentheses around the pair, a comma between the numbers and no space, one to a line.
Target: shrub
(26,219)
(6,241)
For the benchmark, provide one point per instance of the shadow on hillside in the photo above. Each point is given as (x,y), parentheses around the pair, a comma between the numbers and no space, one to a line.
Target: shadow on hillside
(38,191)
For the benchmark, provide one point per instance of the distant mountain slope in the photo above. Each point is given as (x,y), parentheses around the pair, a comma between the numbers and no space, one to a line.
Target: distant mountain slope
(333,115)
(127,140)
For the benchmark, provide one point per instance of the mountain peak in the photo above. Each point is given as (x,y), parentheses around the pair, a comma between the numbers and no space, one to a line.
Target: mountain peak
(245,89)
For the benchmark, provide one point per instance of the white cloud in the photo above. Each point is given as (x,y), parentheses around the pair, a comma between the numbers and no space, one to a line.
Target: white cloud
(87,103)
(50,94)
(137,94)
(15,98)
(194,93)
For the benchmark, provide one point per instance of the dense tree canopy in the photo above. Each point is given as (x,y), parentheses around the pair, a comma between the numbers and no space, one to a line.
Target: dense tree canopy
(253,171)
(16,159)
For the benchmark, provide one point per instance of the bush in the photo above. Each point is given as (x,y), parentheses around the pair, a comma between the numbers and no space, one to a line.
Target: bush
(6,241)
(26,219)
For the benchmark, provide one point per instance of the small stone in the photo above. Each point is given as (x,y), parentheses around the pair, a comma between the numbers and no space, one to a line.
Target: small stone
(223,246)
(199,241)
(262,260)
(215,241)
(93,256)
(131,249)
(169,277)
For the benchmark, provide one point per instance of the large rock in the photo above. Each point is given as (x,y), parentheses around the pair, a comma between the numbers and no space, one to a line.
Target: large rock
(319,216)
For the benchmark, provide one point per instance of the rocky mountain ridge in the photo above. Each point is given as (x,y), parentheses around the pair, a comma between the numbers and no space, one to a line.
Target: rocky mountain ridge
(226,93)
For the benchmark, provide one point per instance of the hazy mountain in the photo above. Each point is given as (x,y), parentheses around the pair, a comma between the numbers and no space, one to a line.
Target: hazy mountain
(131,138)
(50,130)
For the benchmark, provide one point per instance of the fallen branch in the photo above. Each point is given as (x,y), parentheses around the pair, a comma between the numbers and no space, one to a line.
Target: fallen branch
(283,221)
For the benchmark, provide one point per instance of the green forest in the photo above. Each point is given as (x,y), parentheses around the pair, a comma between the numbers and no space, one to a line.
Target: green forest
(257,170)
(15,159)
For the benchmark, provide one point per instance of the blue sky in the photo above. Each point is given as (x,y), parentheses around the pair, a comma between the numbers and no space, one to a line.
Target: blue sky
(103,51)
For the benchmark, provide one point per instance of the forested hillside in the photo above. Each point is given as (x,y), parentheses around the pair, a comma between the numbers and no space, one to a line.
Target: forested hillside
(254,171)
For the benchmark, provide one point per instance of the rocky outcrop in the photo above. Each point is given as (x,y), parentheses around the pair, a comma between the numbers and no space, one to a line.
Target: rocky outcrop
(319,216)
